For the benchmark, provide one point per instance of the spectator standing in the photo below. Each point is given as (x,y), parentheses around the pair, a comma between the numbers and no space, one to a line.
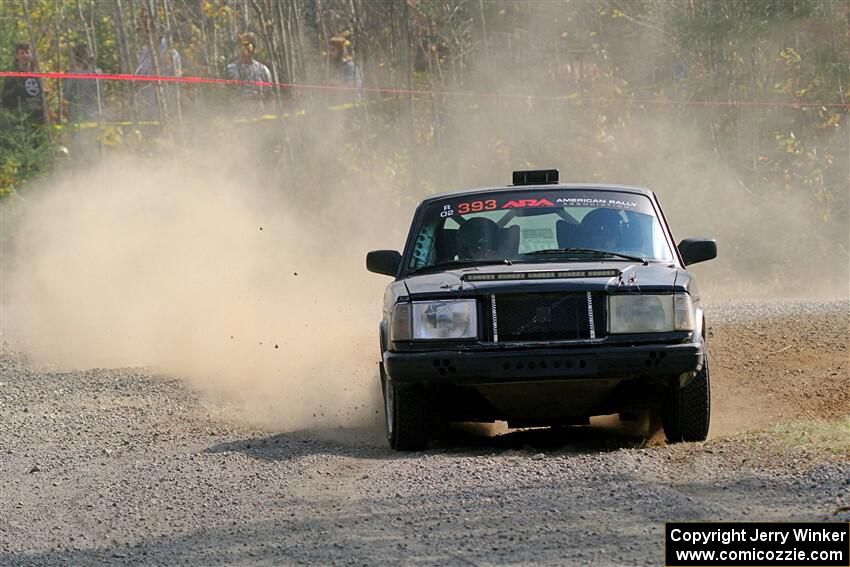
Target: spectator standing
(84,100)
(170,65)
(24,94)
(84,96)
(248,69)
(343,71)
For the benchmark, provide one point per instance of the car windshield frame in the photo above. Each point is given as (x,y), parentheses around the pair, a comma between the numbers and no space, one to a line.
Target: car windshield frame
(532,197)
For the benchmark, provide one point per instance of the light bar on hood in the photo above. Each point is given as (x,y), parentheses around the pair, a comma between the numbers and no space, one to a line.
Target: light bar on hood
(542,275)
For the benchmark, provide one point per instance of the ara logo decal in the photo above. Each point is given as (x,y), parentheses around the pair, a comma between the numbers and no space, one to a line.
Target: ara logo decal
(528,203)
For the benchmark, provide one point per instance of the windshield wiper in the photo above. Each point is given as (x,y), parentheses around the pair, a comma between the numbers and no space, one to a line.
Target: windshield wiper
(566,251)
(462,263)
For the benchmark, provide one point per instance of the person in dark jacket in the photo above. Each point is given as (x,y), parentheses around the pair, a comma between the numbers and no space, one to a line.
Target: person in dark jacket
(24,94)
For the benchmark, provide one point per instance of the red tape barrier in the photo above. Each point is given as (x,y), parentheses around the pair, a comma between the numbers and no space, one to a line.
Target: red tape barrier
(387,90)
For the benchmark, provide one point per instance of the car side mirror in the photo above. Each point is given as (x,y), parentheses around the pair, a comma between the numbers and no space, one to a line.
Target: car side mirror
(385,262)
(695,250)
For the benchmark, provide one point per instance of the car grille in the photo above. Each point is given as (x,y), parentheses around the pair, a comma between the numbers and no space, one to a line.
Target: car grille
(545,316)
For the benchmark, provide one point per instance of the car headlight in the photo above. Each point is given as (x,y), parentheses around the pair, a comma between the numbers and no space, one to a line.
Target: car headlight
(646,313)
(453,319)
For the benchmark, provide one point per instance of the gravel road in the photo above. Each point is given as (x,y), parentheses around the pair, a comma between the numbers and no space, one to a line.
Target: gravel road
(125,467)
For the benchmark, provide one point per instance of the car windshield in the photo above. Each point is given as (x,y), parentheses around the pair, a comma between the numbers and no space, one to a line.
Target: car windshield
(535,226)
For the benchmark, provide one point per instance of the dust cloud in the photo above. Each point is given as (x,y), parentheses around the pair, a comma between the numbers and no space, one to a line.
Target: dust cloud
(238,263)
(190,269)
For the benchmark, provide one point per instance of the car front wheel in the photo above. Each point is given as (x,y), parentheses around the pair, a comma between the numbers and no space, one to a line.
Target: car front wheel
(687,411)
(404,408)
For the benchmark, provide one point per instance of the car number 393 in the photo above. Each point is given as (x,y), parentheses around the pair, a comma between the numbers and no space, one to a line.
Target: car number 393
(476,206)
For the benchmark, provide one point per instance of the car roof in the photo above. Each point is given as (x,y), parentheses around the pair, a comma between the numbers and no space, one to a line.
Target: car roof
(547,187)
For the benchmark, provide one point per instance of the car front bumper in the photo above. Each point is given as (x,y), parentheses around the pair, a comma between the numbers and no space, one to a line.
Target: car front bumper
(470,368)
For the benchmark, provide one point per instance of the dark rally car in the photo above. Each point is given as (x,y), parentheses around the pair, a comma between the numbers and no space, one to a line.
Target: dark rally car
(542,304)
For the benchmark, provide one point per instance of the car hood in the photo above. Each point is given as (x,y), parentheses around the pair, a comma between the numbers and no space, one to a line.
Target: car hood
(628,276)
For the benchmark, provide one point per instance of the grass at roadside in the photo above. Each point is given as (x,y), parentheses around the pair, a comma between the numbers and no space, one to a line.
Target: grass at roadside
(829,437)
(802,442)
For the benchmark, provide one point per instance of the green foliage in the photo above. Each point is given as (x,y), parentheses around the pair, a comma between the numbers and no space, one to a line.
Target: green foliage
(24,151)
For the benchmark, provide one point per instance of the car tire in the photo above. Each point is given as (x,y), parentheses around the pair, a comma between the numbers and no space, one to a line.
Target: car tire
(686,414)
(406,420)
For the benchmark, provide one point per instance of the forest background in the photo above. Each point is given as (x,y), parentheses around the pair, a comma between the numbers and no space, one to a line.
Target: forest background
(735,112)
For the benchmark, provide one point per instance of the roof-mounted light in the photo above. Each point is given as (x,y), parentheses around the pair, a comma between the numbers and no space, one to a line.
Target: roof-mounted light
(536,177)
